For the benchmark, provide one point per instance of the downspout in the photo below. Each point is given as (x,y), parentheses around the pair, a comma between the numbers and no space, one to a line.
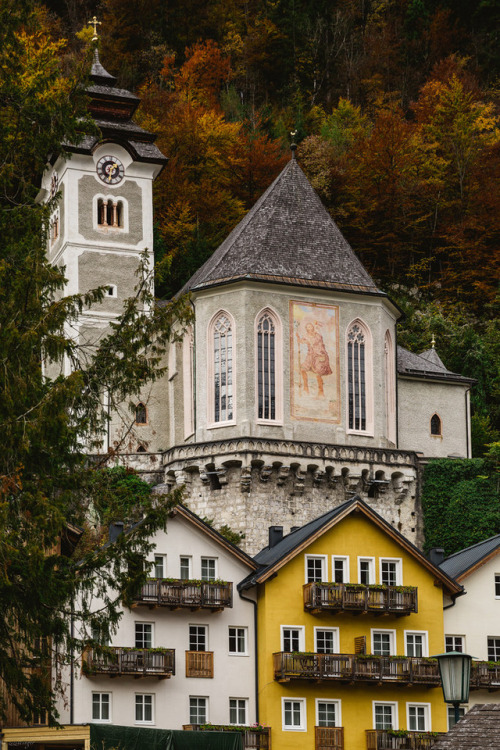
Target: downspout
(454,598)
(256,651)
(72,665)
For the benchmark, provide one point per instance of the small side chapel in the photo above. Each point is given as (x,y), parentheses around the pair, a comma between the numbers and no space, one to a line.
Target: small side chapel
(289,394)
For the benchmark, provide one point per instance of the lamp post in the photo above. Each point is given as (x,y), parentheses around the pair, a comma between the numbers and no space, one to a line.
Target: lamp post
(454,669)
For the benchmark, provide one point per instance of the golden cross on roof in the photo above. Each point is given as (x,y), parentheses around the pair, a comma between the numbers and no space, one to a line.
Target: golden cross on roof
(433,341)
(95,23)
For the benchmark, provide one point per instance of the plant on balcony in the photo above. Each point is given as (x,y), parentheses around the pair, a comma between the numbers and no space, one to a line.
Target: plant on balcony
(397,732)
(198,582)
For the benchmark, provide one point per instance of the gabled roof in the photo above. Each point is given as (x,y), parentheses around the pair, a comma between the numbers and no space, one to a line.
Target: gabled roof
(426,365)
(288,237)
(479,729)
(463,563)
(271,559)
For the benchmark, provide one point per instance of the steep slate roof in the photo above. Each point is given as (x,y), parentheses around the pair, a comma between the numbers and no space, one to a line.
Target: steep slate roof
(426,365)
(287,237)
(479,729)
(271,559)
(457,565)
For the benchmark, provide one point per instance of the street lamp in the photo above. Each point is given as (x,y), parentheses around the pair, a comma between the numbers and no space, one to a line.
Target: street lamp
(454,668)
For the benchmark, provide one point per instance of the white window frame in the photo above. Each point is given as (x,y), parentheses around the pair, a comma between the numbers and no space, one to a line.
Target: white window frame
(345,560)
(302,640)
(164,564)
(245,630)
(216,567)
(101,693)
(497,582)
(144,721)
(324,566)
(394,712)
(454,635)
(207,707)
(238,723)
(211,423)
(197,625)
(190,565)
(392,634)
(399,568)
(427,708)
(303,714)
(338,710)
(425,641)
(371,561)
(336,639)
(145,622)
(112,291)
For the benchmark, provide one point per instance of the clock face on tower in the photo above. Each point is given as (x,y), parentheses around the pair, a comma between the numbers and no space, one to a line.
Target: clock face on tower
(110,170)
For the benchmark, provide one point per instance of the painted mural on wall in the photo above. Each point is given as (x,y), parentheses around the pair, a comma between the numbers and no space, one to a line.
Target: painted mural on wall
(314,371)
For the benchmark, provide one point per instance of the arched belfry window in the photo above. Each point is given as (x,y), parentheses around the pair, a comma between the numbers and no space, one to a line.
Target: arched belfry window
(436,427)
(141,414)
(221,372)
(359,378)
(268,366)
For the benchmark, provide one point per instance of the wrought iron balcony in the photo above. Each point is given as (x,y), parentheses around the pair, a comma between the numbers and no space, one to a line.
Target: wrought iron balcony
(485,675)
(328,738)
(388,739)
(358,599)
(138,662)
(199,663)
(189,594)
(356,668)
(254,738)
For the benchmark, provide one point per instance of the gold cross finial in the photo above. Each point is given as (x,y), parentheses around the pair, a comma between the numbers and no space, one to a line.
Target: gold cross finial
(95,23)
(433,341)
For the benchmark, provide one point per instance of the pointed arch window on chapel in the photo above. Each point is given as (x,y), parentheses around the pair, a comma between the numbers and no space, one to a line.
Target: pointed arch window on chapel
(266,367)
(223,369)
(358,372)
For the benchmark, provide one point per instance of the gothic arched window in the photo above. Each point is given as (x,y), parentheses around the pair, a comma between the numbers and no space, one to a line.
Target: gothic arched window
(390,388)
(221,369)
(268,366)
(359,400)
(436,427)
(141,414)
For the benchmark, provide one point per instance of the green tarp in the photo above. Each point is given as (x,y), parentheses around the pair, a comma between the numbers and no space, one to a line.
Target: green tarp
(112,737)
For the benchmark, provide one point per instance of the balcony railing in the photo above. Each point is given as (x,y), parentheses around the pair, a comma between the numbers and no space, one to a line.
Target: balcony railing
(485,675)
(387,739)
(254,738)
(329,738)
(139,662)
(356,598)
(199,663)
(356,668)
(192,595)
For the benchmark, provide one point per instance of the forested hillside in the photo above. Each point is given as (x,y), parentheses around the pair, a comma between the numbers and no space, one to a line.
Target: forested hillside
(395,108)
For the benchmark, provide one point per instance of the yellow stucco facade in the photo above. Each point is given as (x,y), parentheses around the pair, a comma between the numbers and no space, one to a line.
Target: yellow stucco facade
(281,606)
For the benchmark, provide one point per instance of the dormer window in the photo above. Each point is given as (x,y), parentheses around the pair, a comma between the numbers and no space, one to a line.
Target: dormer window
(436,426)
(110,213)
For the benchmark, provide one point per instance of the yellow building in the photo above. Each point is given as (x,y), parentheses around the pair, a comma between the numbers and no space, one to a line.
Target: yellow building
(348,613)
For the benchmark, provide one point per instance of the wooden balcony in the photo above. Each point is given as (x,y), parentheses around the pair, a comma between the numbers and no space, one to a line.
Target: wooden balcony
(359,599)
(387,739)
(356,668)
(121,662)
(199,663)
(485,676)
(329,738)
(254,738)
(179,594)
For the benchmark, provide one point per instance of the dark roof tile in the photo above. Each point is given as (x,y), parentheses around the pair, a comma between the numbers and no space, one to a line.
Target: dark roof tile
(458,563)
(479,729)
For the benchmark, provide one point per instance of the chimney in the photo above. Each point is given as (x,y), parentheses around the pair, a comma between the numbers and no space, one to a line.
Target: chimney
(294,528)
(115,529)
(275,535)
(436,556)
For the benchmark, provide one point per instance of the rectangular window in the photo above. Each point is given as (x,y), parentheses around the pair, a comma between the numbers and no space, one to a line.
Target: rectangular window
(340,569)
(366,570)
(238,640)
(384,715)
(198,637)
(418,717)
(185,568)
(326,640)
(416,644)
(198,710)
(294,717)
(454,643)
(292,639)
(497,585)
(160,567)
(208,568)
(315,569)
(238,710)
(390,572)
(143,635)
(383,642)
(328,713)
(451,716)
(493,649)
(101,706)
(143,708)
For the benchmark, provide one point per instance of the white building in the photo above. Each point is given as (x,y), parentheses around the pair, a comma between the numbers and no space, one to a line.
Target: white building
(185,653)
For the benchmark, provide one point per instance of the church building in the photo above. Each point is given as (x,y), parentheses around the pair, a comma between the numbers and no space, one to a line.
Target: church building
(289,393)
